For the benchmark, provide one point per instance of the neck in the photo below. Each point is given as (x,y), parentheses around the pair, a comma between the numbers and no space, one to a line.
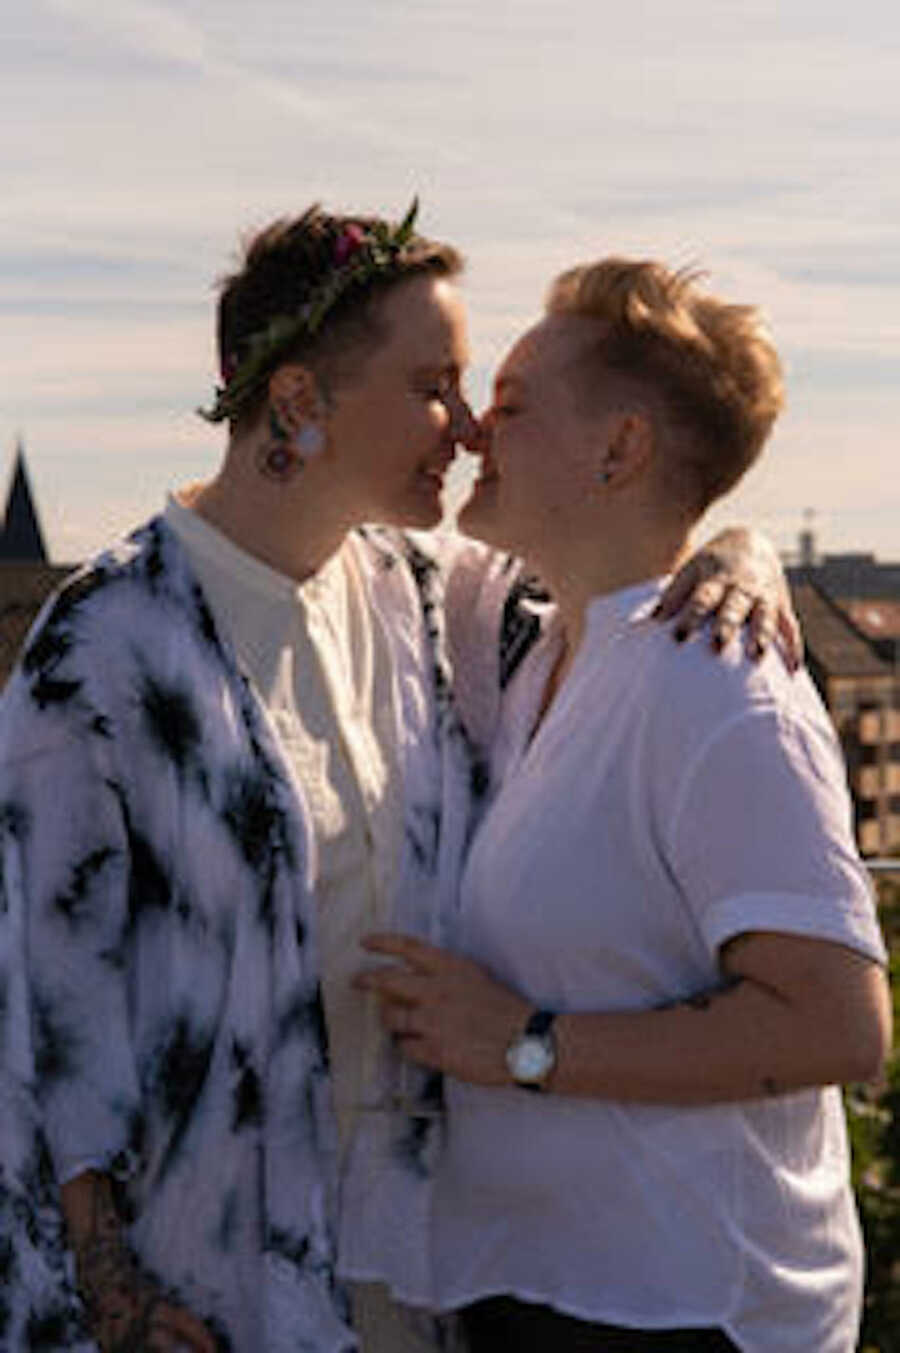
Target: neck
(577,569)
(294,527)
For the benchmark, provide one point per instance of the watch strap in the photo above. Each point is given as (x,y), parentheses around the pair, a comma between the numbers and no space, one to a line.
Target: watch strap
(538,1026)
(539,1023)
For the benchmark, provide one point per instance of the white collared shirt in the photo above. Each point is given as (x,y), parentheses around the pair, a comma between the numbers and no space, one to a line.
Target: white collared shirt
(667,802)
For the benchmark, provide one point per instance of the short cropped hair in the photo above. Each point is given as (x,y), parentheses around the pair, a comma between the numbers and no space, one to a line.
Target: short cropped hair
(283,265)
(711,364)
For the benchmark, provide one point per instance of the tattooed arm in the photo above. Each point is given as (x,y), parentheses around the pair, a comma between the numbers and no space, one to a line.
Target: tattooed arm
(127,1312)
(797,1012)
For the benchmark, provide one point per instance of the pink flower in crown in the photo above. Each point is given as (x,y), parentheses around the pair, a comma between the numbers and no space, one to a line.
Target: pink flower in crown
(230,365)
(351,238)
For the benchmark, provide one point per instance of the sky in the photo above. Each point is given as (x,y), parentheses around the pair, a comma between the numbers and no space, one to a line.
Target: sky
(757,139)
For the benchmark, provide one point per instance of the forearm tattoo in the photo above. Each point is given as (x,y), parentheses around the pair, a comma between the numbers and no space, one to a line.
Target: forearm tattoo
(701,1000)
(119,1300)
(704,1000)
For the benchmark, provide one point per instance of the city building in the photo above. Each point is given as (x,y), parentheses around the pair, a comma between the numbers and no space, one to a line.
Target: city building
(27,576)
(849,608)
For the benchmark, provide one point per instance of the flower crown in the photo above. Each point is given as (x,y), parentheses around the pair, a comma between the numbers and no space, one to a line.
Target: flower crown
(360,253)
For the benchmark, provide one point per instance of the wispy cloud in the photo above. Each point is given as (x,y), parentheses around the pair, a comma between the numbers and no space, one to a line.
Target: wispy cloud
(156,31)
(756,138)
(151,30)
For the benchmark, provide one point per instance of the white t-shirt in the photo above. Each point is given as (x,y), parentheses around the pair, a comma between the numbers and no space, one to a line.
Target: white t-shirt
(668,802)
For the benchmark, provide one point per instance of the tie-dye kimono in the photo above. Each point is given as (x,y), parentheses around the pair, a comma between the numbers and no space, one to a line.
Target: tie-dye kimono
(160,1014)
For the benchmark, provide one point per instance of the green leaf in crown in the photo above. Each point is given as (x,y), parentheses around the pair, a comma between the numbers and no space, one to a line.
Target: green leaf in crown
(360,254)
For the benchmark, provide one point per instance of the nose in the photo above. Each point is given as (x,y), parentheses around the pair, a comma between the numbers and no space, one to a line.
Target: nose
(481,434)
(464,426)
(477,435)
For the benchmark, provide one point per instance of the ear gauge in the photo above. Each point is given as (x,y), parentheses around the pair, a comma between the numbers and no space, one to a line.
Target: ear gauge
(278,463)
(289,448)
(296,412)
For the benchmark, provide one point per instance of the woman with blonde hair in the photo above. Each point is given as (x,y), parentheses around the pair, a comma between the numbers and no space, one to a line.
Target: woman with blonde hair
(667,950)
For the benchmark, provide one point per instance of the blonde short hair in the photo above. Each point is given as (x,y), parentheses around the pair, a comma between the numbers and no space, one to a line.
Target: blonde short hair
(711,364)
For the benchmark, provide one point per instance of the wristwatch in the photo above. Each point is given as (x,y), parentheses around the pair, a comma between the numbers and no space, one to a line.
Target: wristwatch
(531,1057)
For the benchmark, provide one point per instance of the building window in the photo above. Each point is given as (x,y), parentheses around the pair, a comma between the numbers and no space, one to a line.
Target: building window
(844,703)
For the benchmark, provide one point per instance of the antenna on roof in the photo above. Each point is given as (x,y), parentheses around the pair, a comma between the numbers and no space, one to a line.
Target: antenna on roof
(808,557)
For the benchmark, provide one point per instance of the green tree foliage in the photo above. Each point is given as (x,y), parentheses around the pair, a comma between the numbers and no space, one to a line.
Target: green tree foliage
(873,1114)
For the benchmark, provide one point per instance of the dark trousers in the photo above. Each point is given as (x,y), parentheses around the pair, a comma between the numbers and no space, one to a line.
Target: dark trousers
(505,1325)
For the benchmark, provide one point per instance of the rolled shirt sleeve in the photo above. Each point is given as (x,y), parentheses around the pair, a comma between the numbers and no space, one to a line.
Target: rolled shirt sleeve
(761,838)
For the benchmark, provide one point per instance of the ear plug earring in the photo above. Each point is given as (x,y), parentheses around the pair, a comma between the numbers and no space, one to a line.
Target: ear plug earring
(278,463)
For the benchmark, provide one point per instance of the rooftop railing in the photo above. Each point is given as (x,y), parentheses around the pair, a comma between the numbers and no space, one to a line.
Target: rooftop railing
(885,866)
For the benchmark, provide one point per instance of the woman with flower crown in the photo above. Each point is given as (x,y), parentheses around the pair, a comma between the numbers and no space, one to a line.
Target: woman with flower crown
(230,750)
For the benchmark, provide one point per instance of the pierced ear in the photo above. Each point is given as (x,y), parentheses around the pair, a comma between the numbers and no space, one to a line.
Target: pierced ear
(295,397)
(629,446)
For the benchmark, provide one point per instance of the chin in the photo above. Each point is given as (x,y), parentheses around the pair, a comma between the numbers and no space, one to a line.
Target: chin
(412,516)
(478,518)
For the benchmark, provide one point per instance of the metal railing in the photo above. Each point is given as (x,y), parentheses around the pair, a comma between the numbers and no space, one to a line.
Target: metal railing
(885,866)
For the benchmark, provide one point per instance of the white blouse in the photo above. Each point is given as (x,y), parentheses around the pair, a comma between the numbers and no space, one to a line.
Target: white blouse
(667,802)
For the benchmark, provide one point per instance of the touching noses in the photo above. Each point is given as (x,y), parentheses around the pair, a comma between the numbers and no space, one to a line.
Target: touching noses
(464,427)
(481,434)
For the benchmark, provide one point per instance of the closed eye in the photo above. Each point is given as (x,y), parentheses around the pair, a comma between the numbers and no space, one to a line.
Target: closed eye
(440,383)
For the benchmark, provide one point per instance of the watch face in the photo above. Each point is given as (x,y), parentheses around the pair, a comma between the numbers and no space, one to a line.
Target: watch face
(530,1059)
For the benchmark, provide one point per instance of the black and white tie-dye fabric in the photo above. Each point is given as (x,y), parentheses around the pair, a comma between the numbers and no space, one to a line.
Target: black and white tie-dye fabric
(160,1014)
